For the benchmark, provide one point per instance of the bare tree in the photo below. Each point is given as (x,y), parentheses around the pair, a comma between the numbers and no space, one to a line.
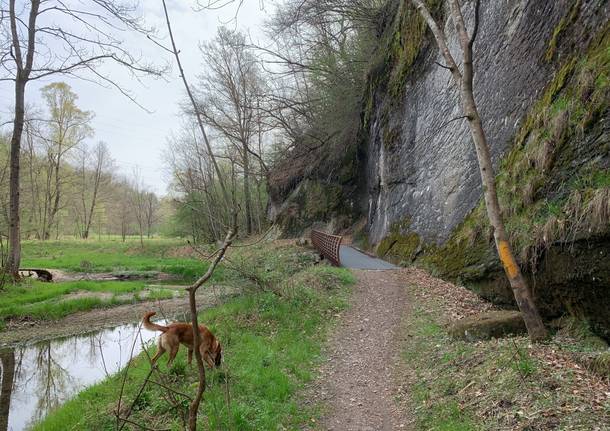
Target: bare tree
(83,39)
(93,175)
(463,80)
(228,98)
(318,60)
(218,256)
(123,209)
(138,203)
(195,180)
(4,170)
(151,203)
(36,172)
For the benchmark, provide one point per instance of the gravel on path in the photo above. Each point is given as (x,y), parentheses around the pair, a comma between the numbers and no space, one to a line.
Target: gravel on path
(360,379)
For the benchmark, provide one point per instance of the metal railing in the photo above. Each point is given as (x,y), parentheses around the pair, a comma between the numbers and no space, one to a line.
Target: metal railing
(328,245)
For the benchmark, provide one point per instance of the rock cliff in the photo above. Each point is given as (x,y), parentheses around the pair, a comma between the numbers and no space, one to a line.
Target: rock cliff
(421,165)
(542,84)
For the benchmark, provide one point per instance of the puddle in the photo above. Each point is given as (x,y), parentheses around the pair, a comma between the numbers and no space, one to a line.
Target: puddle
(40,377)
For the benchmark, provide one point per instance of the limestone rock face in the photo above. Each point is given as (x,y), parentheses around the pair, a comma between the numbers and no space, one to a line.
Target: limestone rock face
(421,167)
(541,87)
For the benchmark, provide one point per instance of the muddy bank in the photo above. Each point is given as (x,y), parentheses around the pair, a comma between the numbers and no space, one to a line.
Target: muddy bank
(82,322)
(58,276)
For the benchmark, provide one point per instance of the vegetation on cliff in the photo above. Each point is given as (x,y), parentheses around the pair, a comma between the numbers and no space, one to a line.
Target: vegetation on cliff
(554,189)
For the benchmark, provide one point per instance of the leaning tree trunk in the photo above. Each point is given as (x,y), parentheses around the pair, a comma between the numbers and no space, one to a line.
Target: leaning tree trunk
(88,222)
(521,291)
(464,81)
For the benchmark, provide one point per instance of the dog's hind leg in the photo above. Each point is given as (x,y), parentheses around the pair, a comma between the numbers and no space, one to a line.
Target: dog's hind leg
(172,345)
(190,356)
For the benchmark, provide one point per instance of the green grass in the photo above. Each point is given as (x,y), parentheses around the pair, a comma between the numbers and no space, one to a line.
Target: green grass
(263,267)
(112,256)
(271,349)
(44,301)
(495,384)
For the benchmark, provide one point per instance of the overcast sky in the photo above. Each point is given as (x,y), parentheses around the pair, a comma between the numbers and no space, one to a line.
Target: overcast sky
(137,138)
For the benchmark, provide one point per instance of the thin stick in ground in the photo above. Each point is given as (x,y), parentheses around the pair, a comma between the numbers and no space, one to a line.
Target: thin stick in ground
(231,233)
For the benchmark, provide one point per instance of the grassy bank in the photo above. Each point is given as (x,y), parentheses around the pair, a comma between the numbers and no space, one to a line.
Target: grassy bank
(504,384)
(172,256)
(34,300)
(270,344)
(263,267)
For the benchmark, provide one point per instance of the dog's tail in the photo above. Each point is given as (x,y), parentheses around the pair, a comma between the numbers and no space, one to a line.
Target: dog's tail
(152,326)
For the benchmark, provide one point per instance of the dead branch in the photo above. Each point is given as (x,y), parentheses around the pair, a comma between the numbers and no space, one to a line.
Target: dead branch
(126,420)
(232,232)
(125,372)
(164,386)
(133,403)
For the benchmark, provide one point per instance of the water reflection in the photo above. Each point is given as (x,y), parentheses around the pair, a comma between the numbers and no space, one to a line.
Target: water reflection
(41,377)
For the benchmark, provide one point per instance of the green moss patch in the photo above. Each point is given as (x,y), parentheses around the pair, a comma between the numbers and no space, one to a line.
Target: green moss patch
(553,183)
(400,45)
(564,23)
(485,326)
(401,245)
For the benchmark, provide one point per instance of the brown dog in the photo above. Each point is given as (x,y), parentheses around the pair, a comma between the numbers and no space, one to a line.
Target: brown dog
(182,333)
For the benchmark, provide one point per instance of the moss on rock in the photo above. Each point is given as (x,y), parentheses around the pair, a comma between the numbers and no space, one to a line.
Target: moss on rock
(600,364)
(554,191)
(401,245)
(484,326)
(564,23)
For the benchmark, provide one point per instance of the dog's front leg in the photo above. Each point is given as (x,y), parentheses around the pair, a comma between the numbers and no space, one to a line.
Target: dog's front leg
(160,351)
(190,356)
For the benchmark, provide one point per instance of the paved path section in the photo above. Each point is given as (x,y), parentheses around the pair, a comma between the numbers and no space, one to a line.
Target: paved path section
(354,259)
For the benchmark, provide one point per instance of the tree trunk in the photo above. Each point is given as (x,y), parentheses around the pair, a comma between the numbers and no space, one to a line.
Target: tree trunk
(14,234)
(56,198)
(464,82)
(247,195)
(7,359)
(88,222)
(521,291)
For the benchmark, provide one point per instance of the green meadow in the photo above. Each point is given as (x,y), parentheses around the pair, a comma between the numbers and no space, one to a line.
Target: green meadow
(271,346)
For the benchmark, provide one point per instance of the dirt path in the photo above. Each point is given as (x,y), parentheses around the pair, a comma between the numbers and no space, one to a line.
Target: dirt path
(87,321)
(360,380)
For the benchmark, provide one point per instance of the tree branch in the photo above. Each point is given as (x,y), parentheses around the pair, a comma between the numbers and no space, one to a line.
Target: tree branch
(440,38)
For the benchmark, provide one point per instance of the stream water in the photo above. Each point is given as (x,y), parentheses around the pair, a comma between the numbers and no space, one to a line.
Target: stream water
(42,376)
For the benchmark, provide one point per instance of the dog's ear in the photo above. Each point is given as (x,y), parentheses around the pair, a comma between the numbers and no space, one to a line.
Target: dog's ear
(218,358)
